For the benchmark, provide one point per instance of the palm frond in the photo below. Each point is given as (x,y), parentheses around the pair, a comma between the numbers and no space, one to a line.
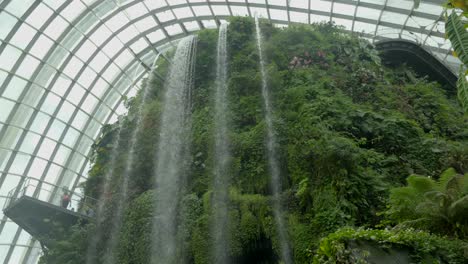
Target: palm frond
(458,36)
(459,208)
(462,87)
(421,184)
(445,177)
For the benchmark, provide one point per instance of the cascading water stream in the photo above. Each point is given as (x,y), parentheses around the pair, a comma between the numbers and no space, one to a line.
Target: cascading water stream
(221,157)
(111,245)
(271,142)
(91,251)
(172,157)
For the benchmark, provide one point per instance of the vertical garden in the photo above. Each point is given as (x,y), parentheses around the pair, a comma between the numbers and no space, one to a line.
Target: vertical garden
(365,153)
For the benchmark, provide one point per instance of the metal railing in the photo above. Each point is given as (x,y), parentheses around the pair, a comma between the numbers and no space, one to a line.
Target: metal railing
(52,194)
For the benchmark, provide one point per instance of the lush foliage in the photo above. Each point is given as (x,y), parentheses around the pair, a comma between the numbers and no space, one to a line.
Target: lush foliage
(425,248)
(349,130)
(439,206)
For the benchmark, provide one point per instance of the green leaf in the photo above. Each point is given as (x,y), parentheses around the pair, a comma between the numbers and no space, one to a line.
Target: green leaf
(458,36)
(462,87)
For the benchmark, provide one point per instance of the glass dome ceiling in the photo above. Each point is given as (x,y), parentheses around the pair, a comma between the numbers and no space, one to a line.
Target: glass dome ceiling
(67,65)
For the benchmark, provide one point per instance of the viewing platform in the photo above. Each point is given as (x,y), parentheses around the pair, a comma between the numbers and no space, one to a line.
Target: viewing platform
(37,207)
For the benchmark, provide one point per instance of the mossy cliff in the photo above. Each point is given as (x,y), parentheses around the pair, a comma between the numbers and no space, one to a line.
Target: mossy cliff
(349,130)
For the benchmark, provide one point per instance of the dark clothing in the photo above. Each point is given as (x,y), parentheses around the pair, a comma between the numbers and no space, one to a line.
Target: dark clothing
(65,200)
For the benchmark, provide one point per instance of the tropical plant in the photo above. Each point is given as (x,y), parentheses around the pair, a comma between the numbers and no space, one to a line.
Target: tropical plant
(439,206)
(425,247)
(455,28)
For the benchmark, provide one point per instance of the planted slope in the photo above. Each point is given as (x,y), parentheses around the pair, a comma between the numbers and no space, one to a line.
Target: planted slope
(347,129)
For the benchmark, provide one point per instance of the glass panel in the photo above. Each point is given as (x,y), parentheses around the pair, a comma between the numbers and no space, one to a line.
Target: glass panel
(76,94)
(139,45)
(117,21)
(299,17)
(19,164)
(37,168)
(11,137)
(80,120)
(41,46)
(14,88)
(99,88)
(9,57)
(321,5)
(23,238)
(4,156)
(39,16)
(100,35)
(279,14)
(62,155)
(73,10)
(368,13)
(33,95)
(184,12)
(8,233)
(73,67)
(17,254)
(47,147)
(89,103)
(86,50)
(66,111)
(3,76)
(61,85)
(5,108)
(344,9)
(22,116)
(56,27)
(145,24)
(18,8)
(56,130)
(71,137)
(40,122)
(11,181)
(8,22)
(174,30)
(27,67)
(29,143)
(23,36)
(99,61)
(52,175)
(87,78)
(392,17)
(50,103)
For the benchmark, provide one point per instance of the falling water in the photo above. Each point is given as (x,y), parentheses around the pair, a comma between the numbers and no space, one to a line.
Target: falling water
(275,179)
(172,153)
(109,256)
(222,157)
(102,201)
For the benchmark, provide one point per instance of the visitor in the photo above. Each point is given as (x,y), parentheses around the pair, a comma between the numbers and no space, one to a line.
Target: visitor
(90,212)
(65,199)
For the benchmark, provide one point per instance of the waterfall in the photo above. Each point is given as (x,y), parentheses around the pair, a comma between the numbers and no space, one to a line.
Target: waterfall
(91,251)
(271,142)
(111,245)
(222,157)
(172,156)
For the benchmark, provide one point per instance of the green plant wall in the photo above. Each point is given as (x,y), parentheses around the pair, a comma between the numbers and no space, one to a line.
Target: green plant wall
(349,130)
